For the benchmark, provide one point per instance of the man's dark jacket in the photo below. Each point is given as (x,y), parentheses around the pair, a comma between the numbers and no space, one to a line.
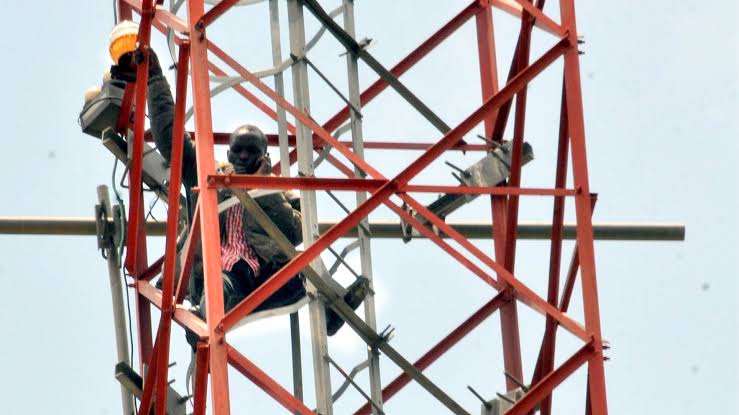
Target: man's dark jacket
(285,215)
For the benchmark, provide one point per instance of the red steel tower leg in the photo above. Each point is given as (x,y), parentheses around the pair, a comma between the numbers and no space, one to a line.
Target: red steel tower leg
(596,373)
(208,200)
(489,84)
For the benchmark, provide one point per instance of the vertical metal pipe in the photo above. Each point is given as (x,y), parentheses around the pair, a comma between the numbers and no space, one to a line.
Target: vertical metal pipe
(304,141)
(274,25)
(365,252)
(116,292)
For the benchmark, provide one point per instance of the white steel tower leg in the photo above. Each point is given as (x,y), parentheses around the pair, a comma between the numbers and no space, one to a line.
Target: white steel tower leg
(364,239)
(308,206)
(274,24)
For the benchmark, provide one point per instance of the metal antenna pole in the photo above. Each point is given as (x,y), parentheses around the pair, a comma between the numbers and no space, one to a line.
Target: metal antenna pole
(365,252)
(109,247)
(321,369)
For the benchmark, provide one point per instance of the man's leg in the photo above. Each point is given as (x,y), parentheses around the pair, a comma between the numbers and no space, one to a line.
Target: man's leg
(290,293)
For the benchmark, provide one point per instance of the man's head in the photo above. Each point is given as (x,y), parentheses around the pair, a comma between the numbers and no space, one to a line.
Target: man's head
(246,149)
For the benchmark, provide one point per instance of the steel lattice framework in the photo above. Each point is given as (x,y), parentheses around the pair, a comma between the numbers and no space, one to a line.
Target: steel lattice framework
(373,189)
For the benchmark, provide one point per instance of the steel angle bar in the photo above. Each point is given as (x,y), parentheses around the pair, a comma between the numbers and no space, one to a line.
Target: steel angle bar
(188,259)
(343,262)
(279,82)
(539,16)
(168,274)
(310,183)
(523,293)
(200,391)
(124,11)
(265,382)
(448,141)
(509,313)
(353,47)
(214,13)
(328,82)
(555,251)
(167,16)
(416,224)
(153,270)
(552,380)
(181,315)
(228,82)
(279,65)
(352,374)
(302,259)
(521,48)
(362,225)
(163,17)
(344,252)
(408,62)
(506,92)
(253,99)
(208,199)
(441,348)
(514,8)
(136,155)
(351,381)
(382,194)
(272,140)
(308,203)
(332,299)
(298,114)
(583,210)
(545,359)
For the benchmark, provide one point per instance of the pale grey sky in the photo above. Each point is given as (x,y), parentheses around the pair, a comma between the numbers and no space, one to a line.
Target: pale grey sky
(660,88)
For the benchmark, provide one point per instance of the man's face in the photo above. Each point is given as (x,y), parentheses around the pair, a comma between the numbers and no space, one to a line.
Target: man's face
(245,153)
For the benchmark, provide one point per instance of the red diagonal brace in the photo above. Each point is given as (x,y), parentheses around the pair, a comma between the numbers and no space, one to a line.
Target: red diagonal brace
(303,259)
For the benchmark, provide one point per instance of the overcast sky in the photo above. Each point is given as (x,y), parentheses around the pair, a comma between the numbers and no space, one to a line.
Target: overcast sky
(660,87)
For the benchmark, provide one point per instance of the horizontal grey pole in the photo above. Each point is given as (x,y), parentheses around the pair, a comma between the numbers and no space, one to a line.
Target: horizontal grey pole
(81,226)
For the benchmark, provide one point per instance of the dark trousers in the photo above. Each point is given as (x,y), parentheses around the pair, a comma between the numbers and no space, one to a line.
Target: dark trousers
(241,281)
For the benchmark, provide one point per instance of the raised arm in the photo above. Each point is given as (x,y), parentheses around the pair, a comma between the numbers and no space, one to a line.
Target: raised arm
(161,118)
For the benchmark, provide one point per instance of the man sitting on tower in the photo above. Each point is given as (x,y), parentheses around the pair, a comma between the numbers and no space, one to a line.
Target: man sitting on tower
(248,255)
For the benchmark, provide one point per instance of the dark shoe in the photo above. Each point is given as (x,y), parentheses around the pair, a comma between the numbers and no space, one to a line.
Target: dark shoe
(354,296)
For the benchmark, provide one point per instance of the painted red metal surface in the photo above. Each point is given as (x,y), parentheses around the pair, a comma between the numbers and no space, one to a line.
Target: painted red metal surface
(208,210)
(304,258)
(489,87)
(214,354)
(266,383)
(200,392)
(440,348)
(367,185)
(546,385)
(170,250)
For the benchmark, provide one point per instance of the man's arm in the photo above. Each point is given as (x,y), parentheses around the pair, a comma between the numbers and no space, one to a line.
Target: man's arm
(280,208)
(161,117)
